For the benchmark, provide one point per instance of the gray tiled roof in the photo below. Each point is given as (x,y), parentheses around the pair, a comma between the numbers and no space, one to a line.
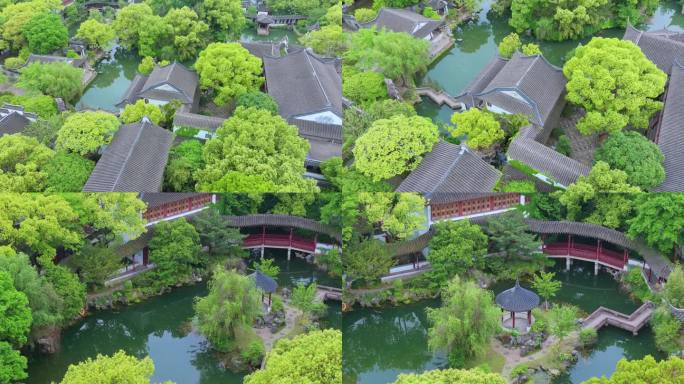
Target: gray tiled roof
(261,49)
(175,75)
(207,123)
(325,140)
(484,78)
(671,132)
(539,85)
(661,47)
(450,168)
(13,123)
(404,20)
(303,83)
(46,59)
(131,94)
(517,299)
(547,161)
(134,161)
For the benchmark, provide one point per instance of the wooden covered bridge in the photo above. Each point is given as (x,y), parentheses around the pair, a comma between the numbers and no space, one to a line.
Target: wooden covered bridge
(289,241)
(656,266)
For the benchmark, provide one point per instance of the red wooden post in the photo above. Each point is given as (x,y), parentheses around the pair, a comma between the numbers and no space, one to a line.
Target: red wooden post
(569,241)
(146,255)
(513,316)
(598,248)
(263,234)
(460,208)
(529,318)
(624,256)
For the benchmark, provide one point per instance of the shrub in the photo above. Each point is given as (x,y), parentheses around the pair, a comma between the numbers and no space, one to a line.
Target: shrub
(364,15)
(519,370)
(588,336)
(254,352)
(563,145)
(14,62)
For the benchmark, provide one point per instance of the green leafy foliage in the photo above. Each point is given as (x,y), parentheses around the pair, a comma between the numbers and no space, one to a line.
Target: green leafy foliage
(119,368)
(451,376)
(45,33)
(174,250)
(546,286)
(96,263)
(659,219)
(367,260)
(228,70)
(399,214)
(633,153)
(393,146)
(253,142)
(674,289)
(190,34)
(329,40)
(562,321)
(133,113)
(217,234)
(615,83)
(146,65)
(509,235)
(22,162)
(372,50)
(267,267)
(509,45)
(480,127)
(43,301)
(314,358)
(226,314)
(96,34)
(666,329)
(364,15)
(17,15)
(67,172)
(646,370)
(12,364)
(466,321)
(609,209)
(184,160)
(257,99)
(304,298)
(15,314)
(85,132)
(67,286)
(43,105)
(363,88)
(456,247)
(55,79)
(224,17)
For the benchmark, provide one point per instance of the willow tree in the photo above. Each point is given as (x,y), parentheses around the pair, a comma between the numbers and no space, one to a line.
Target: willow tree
(465,323)
(225,316)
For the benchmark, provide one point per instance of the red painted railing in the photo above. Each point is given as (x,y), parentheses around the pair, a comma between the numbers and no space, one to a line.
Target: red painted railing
(274,240)
(587,252)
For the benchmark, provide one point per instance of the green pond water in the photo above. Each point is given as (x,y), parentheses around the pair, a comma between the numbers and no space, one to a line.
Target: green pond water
(114,75)
(476,44)
(381,343)
(158,327)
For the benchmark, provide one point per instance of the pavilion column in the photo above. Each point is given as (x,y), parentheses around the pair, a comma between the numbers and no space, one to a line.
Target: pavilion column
(513,317)
(529,318)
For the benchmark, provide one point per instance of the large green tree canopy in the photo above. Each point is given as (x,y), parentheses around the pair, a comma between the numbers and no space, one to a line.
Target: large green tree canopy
(95,33)
(456,247)
(174,250)
(85,132)
(633,153)
(46,33)
(312,358)
(16,15)
(119,368)
(604,194)
(22,163)
(615,83)
(372,50)
(480,127)
(394,146)
(58,79)
(646,371)
(225,17)
(659,220)
(254,142)
(228,70)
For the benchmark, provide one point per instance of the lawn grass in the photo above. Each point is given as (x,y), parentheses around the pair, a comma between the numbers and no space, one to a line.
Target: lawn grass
(493,359)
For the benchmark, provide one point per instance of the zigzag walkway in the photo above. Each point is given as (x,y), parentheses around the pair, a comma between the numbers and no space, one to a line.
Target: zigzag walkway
(633,323)
(441,97)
